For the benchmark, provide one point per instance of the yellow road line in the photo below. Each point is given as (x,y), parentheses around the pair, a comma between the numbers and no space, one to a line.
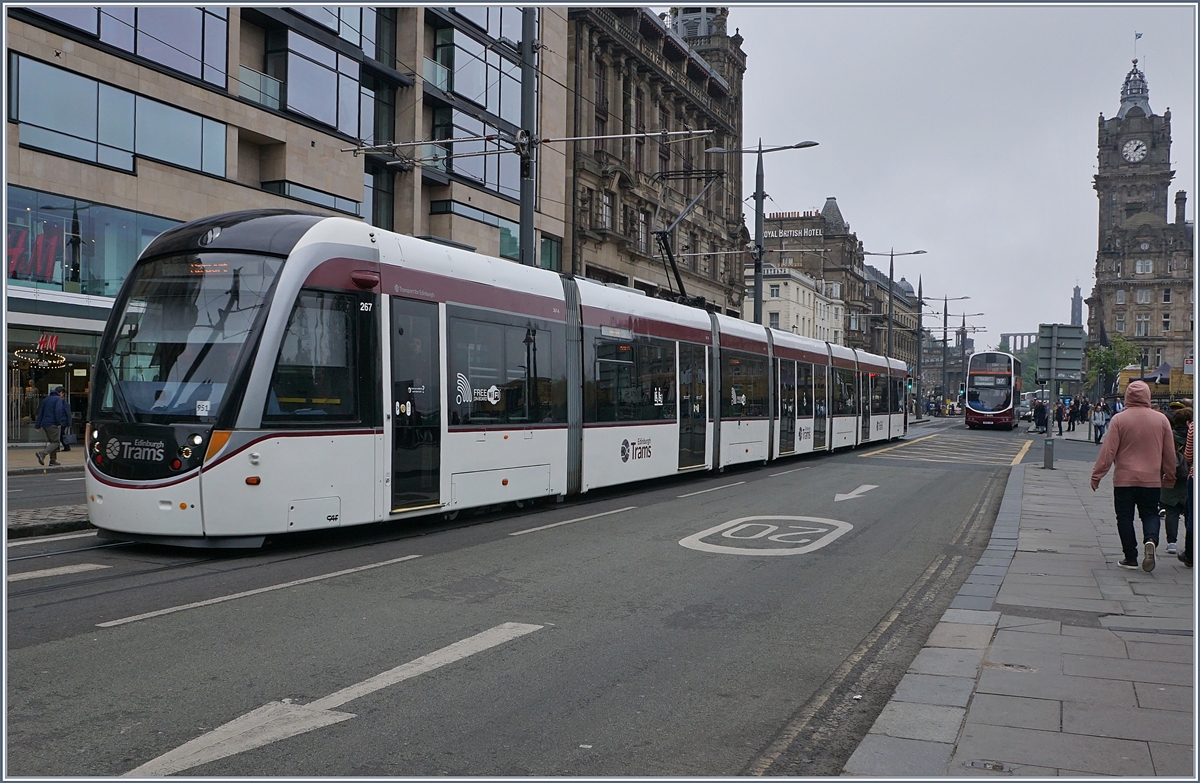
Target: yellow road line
(899,445)
(1021,454)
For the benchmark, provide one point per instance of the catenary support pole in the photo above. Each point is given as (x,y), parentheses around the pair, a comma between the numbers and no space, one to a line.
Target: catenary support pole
(529,94)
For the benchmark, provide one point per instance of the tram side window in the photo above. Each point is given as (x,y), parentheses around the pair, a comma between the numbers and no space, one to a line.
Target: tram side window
(843,398)
(635,381)
(501,373)
(879,390)
(316,373)
(743,384)
(804,389)
(899,391)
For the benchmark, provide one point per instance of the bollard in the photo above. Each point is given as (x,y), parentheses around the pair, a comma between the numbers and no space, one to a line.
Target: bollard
(1048,454)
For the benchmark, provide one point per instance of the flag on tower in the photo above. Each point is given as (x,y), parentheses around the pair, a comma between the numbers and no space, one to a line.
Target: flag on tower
(1136,36)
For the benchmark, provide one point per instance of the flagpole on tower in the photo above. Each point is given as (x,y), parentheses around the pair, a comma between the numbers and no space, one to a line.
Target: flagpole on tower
(1136,36)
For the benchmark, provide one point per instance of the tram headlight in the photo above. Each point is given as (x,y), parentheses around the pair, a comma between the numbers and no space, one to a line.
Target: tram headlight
(196,439)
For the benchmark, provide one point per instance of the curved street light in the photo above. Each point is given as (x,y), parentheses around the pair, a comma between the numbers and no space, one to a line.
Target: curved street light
(758,210)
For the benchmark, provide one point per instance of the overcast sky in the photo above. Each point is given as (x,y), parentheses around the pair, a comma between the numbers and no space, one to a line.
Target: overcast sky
(969,132)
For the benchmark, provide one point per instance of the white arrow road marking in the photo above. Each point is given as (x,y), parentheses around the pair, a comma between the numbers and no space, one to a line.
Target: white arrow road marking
(280,720)
(857,493)
(61,570)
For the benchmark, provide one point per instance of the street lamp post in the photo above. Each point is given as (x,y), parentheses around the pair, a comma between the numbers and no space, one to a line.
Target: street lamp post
(891,254)
(759,195)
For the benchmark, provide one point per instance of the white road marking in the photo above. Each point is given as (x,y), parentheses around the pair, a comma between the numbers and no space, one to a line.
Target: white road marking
(711,489)
(793,470)
(796,534)
(45,539)
(235,596)
(60,571)
(16,490)
(861,490)
(570,521)
(78,478)
(280,720)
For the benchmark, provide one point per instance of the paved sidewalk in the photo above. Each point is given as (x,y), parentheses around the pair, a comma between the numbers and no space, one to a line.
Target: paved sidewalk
(1051,660)
(20,460)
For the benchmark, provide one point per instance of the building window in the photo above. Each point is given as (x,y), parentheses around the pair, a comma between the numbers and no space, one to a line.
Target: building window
(643,232)
(378,207)
(1143,325)
(664,149)
(773,320)
(72,115)
(377,111)
(192,41)
(509,237)
(639,119)
(320,198)
(1120,296)
(1166,296)
(498,172)
(1121,323)
(65,244)
(606,210)
(1166,323)
(774,292)
(320,83)
(551,255)
(1157,357)
(1143,267)
(1143,296)
(601,102)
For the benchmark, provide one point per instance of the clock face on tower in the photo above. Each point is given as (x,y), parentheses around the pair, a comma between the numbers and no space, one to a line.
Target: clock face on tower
(1134,150)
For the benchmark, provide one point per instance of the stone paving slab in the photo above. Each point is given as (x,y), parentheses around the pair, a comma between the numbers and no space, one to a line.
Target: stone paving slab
(879,755)
(1017,712)
(975,637)
(935,689)
(1149,651)
(947,661)
(931,722)
(1132,671)
(1104,721)
(970,616)
(1059,643)
(1174,760)
(1153,696)
(1099,755)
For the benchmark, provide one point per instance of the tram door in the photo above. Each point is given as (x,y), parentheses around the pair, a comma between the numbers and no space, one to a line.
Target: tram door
(864,404)
(416,405)
(820,405)
(693,413)
(787,406)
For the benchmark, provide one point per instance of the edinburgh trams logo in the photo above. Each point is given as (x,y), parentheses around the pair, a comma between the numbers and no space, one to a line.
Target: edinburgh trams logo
(144,450)
(467,395)
(640,449)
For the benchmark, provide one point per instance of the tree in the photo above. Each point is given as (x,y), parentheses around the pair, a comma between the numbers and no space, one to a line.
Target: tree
(1107,361)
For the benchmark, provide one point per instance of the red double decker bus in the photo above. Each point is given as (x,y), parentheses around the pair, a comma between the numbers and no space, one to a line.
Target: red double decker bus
(993,390)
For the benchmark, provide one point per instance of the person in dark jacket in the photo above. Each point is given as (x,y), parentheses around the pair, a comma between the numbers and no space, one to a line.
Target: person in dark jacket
(51,418)
(1039,416)
(1059,414)
(1172,498)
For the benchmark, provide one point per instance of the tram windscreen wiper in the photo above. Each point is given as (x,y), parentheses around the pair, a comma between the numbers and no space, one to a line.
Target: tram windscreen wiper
(127,414)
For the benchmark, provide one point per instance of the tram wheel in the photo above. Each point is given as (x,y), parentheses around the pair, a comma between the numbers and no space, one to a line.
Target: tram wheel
(451,516)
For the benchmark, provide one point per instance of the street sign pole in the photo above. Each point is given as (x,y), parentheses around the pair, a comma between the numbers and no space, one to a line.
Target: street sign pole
(1048,444)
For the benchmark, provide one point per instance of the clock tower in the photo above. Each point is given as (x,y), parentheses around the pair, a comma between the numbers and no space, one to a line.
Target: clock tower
(1133,157)
(1144,269)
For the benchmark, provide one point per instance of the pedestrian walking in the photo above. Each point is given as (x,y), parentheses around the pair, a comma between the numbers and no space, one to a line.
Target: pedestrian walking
(1099,420)
(1039,416)
(1140,447)
(1059,414)
(51,418)
(1188,450)
(1173,497)
(1072,414)
(64,439)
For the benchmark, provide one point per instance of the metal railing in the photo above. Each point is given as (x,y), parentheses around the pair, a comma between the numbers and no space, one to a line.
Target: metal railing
(438,75)
(260,88)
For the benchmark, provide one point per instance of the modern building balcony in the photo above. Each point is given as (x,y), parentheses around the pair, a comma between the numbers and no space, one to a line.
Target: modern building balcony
(438,75)
(260,88)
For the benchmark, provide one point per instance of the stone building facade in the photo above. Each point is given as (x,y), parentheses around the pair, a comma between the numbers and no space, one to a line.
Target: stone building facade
(795,301)
(903,315)
(1145,278)
(632,72)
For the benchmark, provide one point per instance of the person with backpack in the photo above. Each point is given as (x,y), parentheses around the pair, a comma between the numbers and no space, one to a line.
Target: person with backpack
(1140,446)
(1173,497)
(51,418)
(1099,420)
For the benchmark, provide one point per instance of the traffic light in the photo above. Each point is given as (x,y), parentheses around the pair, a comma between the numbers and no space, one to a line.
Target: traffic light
(910,384)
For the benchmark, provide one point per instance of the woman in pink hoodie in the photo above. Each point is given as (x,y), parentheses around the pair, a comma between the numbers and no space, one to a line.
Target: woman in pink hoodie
(1138,443)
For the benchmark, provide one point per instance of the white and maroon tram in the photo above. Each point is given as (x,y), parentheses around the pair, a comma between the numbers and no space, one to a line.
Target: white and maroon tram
(273,371)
